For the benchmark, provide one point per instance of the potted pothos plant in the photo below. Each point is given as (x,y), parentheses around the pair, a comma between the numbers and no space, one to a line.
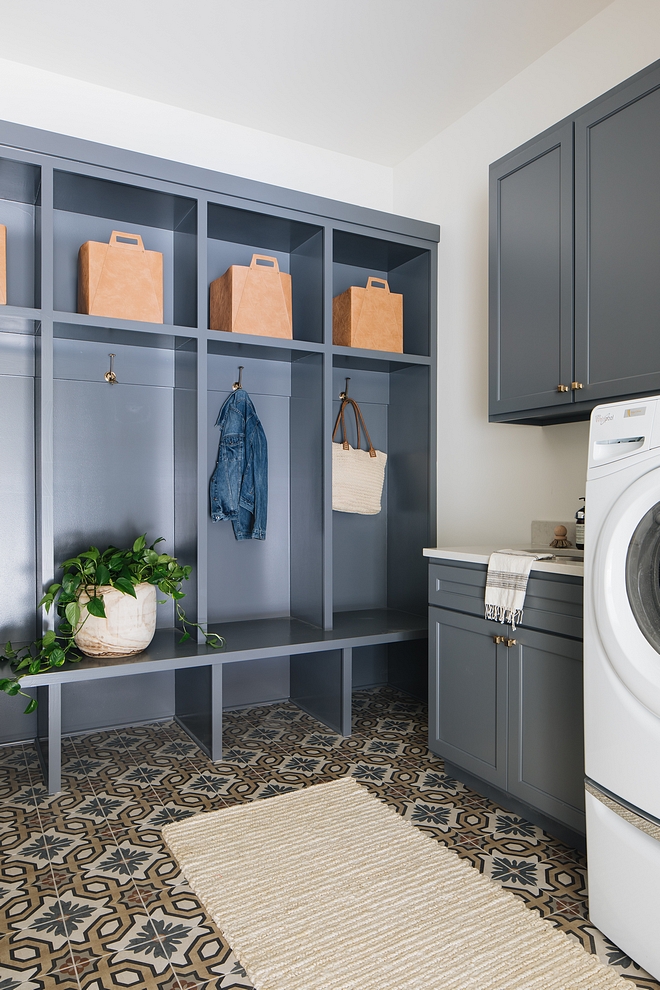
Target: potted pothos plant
(106,604)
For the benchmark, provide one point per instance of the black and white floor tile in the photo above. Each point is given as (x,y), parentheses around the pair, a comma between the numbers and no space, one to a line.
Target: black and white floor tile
(91,898)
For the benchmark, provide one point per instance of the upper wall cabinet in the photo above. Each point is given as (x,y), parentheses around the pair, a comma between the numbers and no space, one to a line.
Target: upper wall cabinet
(531,276)
(574,256)
(617,242)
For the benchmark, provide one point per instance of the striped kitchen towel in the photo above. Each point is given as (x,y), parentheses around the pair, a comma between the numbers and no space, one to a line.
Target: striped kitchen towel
(506,584)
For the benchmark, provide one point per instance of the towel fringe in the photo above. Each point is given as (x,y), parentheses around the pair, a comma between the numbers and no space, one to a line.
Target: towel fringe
(498,613)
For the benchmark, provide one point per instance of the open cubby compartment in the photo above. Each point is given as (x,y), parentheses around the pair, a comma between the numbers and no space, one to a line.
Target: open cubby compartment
(407,268)
(89,208)
(124,454)
(281,576)
(234,235)
(377,559)
(20,212)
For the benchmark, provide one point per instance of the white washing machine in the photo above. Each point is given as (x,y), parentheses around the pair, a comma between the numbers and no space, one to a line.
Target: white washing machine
(622,676)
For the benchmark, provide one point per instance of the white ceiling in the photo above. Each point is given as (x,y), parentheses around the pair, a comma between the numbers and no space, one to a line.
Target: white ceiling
(371,78)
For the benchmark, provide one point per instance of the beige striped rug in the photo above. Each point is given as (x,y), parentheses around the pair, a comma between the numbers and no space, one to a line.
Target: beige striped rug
(327,888)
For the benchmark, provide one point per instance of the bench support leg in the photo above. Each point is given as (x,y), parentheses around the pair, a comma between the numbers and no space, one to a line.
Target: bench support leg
(321,684)
(198,700)
(49,735)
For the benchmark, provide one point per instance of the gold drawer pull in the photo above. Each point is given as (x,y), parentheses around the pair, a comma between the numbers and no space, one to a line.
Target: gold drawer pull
(498,639)
(511,642)
(562,388)
(576,385)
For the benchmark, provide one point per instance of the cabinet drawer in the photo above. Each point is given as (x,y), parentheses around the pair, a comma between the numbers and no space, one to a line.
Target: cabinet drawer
(553,602)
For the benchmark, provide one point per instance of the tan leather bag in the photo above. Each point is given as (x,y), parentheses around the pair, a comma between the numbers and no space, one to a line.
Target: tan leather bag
(120,279)
(371,317)
(254,300)
(3,265)
(357,475)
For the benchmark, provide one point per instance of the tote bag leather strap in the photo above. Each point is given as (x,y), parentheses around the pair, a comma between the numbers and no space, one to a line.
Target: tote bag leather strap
(359,418)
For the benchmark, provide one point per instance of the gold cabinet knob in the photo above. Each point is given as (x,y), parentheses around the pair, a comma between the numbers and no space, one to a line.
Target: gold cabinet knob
(562,388)
(498,639)
(576,385)
(511,642)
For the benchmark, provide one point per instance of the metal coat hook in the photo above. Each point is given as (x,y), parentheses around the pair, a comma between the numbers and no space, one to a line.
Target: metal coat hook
(239,383)
(110,376)
(344,394)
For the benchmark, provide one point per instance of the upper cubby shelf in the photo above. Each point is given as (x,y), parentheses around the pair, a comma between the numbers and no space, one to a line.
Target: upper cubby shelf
(87,208)
(20,184)
(235,235)
(407,268)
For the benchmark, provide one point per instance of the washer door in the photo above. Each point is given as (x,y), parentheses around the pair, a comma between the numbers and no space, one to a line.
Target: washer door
(626,588)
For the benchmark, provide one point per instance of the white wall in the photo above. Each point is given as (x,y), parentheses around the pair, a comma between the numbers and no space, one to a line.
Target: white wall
(68,106)
(495,478)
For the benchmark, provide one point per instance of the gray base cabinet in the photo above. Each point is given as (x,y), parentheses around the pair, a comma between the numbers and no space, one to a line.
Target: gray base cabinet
(506,705)
(554,356)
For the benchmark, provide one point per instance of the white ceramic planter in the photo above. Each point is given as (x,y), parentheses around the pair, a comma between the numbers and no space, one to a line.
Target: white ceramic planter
(128,627)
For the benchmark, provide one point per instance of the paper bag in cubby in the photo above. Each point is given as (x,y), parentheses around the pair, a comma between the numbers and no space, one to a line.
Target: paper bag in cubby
(254,300)
(371,318)
(120,279)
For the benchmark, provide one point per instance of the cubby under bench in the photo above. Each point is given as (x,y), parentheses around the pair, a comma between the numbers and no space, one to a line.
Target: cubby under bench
(321,673)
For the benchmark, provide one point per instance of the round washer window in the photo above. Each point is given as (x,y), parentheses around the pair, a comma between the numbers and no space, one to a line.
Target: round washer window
(643,575)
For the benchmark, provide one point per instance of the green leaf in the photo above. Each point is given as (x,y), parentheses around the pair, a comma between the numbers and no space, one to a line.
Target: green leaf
(49,637)
(13,688)
(214,640)
(91,554)
(57,657)
(116,562)
(32,704)
(70,583)
(185,636)
(4,683)
(102,574)
(35,666)
(126,586)
(96,607)
(72,612)
(140,543)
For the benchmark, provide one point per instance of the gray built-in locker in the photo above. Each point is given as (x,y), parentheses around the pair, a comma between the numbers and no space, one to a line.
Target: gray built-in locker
(87,462)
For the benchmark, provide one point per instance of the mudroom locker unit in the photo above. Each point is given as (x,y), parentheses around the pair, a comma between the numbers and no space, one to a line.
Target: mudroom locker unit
(328,601)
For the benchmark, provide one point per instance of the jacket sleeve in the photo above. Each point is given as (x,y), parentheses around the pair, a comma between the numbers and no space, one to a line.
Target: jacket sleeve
(254,485)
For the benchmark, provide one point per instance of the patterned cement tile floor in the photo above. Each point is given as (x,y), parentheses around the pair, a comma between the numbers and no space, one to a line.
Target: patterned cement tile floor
(91,899)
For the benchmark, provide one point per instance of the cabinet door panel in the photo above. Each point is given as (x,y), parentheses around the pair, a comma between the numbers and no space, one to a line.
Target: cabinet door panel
(546,752)
(617,238)
(467,694)
(531,261)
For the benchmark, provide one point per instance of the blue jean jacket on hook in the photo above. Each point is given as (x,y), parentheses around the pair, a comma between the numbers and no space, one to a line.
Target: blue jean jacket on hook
(239,484)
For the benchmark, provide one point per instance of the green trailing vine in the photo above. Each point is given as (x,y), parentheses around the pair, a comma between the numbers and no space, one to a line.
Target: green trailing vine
(89,571)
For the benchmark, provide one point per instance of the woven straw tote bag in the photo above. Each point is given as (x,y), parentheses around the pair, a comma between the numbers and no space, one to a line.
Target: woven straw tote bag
(357,475)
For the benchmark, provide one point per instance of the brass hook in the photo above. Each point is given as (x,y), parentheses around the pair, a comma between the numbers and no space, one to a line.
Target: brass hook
(110,376)
(239,383)
(344,394)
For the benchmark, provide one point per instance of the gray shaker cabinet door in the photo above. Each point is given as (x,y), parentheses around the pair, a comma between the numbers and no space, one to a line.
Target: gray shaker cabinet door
(531,275)
(546,754)
(617,242)
(467,693)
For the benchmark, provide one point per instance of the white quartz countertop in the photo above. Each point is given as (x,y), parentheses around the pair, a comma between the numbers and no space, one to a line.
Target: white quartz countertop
(481,555)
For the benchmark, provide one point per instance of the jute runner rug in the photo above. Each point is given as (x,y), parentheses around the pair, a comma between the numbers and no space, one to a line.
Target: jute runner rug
(327,888)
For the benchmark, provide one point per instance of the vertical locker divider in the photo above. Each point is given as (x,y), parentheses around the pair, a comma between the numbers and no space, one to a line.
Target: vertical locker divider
(44,403)
(327,430)
(202,412)
(49,710)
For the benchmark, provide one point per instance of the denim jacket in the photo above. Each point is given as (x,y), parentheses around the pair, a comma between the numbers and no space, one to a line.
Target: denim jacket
(239,485)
